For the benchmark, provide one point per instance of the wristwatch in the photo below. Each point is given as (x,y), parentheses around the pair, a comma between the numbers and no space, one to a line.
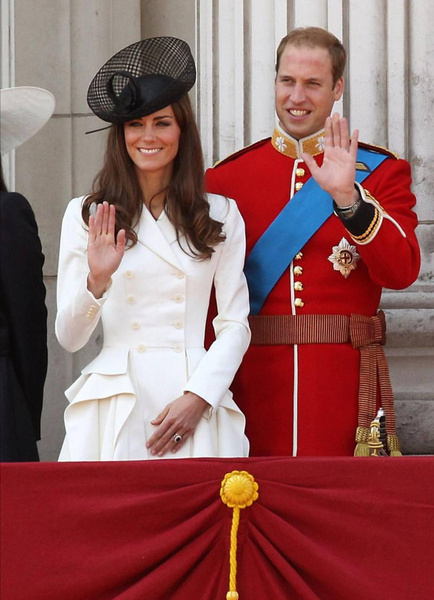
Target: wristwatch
(349,211)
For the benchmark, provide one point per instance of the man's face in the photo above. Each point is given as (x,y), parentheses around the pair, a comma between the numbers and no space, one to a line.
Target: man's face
(304,92)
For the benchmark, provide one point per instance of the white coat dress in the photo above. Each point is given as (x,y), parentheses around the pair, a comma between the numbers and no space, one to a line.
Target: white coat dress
(153,317)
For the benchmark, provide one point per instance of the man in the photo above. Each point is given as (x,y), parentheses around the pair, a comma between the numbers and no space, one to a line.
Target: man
(315,374)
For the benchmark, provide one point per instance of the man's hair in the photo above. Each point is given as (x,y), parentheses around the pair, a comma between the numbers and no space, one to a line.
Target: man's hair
(316,37)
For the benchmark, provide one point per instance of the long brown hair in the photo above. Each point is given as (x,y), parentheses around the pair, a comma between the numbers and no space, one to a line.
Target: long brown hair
(185,202)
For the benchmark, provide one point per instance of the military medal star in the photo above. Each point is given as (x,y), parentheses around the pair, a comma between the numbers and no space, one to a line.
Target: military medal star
(344,257)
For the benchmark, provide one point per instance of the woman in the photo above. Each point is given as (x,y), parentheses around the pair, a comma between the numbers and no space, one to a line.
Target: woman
(23,315)
(142,253)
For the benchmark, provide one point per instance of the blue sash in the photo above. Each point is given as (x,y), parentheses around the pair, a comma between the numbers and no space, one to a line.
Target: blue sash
(301,217)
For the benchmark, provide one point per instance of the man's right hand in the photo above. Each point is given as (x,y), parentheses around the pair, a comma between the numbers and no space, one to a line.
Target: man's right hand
(338,170)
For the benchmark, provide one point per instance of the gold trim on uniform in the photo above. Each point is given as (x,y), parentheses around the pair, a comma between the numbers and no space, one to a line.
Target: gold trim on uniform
(344,258)
(289,146)
(375,224)
(381,149)
(371,197)
(314,145)
(371,231)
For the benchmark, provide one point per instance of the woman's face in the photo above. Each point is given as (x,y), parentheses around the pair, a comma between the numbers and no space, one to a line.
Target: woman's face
(152,142)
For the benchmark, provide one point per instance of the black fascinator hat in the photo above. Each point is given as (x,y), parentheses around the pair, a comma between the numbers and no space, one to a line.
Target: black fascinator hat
(141,79)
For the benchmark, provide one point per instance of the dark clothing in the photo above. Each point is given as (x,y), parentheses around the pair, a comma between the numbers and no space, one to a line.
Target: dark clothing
(23,330)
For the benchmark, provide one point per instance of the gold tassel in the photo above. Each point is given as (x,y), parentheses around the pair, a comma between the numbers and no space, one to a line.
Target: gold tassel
(362,449)
(238,490)
(362,438)
(393,445)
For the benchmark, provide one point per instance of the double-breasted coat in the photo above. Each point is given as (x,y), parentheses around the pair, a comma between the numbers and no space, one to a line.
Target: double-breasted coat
(153,317)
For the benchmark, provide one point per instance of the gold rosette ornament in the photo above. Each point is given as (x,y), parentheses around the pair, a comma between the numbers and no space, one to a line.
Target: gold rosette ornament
(238,490)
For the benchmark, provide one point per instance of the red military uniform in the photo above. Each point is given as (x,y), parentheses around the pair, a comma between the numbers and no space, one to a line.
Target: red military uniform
(302,399)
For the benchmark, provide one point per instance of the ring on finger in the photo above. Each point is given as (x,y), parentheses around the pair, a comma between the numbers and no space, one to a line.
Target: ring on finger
(177,438)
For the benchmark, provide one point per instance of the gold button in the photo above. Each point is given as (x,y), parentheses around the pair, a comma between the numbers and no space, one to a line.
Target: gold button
(141,348)
(298,185)
(179,325)
(131,299)
(298,270)
(298,286)
(135,325)
(299,256)
(179,298)
(299,303)
(300,172)
(128,274)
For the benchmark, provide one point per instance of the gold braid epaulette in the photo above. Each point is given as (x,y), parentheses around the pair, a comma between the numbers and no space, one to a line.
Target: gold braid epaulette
(379,149)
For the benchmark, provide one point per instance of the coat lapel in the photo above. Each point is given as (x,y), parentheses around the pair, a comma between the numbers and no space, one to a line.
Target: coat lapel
(158,236)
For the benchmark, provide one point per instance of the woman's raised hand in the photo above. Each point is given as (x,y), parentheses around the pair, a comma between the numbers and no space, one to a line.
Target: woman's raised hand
(104,249)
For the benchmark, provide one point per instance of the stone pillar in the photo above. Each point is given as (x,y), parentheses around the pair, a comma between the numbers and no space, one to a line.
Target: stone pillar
(410,114)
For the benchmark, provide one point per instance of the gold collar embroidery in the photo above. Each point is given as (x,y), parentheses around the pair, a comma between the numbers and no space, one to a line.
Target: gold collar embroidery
(289,146)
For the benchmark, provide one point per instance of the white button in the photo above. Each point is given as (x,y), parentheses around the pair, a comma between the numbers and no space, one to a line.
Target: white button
(131,299)
(180,275)
(128,274)
(135,325)
(141,348)
(179,325)
(179,298)
(91,312)
(178,348)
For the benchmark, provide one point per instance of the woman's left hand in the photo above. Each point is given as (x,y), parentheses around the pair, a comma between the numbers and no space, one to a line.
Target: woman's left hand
(179,418)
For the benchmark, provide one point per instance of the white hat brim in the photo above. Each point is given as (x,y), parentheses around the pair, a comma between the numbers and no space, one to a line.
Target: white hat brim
(23,111)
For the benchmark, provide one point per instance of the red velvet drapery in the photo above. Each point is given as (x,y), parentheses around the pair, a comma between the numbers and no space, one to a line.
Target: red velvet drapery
(321,529)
